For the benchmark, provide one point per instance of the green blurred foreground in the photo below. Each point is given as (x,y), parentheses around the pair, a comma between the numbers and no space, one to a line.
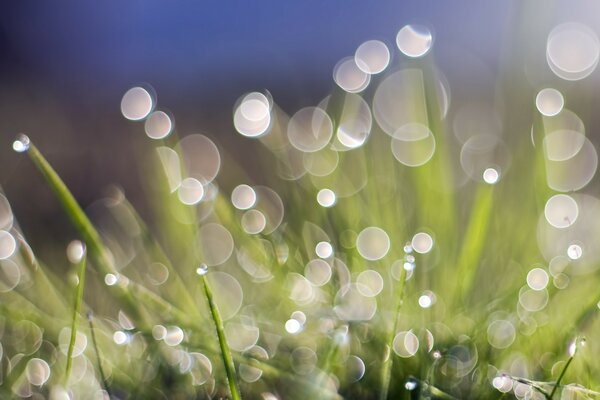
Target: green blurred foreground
(395,254)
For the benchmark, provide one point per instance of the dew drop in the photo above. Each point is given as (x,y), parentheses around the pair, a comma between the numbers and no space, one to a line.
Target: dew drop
(411,384)
(21,143)
(202,269)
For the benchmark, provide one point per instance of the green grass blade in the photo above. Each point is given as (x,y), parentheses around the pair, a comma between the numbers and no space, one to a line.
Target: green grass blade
(225,352)
(75,317)
(90,235)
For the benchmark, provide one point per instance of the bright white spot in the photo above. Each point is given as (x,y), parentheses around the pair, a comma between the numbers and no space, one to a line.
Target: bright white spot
(348,75)
(537,279)
(202,269)
(410,385)
(326,197)
(190,191)
(502,383)
(136,104)
(252,117)
(21,144)
(110,279)
(8,245)
(373,243)
(425,301)
(491,176)
(572,51)
(243,197)
(414,41)
(372,57)
(253,222)
(158,125)
(574,252)
(572,348)
(324,249)
(422,243)
(293,326)
(75,251)
(174,336)
(549,102)
(561,211)
(120,338)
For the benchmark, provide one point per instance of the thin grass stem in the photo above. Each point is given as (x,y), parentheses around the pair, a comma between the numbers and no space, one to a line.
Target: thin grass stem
(90,319)
(75,317)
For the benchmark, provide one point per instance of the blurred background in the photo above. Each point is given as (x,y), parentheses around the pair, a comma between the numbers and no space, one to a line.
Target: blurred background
(64,70)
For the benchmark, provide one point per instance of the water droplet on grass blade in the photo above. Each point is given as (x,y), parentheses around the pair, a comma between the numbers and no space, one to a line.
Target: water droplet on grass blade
(202,269)
(21,143)
(411,384)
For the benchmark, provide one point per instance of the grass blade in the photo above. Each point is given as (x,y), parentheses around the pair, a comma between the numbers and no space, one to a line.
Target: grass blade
(76,307)
(225,352)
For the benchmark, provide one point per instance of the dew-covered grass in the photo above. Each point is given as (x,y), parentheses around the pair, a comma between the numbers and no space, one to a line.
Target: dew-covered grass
(399,249)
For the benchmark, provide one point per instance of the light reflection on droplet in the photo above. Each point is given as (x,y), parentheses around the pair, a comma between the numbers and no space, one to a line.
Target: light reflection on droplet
(75,251)
(37,371)
(422,243)
(252,118)
(8,245)
(136,104)
(355,368)
(405,344)
(417,152)
(324,249)
(243,197)
(571,160)
(561,211)
(369,283)
(411,384)
(373,243)
(200,157)
(348,75)
(303,360)
(111,279)
(310,129)
(174,336)
(501,333)
(574,252)
(253,222)
(293,326)
(241,337)
(491,176)
(159,332)
(201,369)
(414,40)
(572,51)
(190,191)
(10,276)
(533,300)
(318,272)
(537,279)
(427,299)
(227,292)
(549,102)
(120,338)
(216,243)
(253,374)
(372,56)
(326,197)
(158,125)
(64,338)
(21,143)
(502,383)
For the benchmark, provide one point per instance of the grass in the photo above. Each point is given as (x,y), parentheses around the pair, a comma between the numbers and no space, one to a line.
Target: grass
(464,290)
